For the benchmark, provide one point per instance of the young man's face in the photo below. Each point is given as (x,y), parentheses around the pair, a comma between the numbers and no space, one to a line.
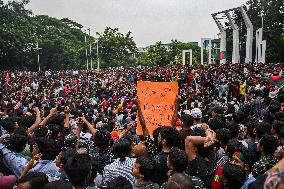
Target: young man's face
(136,170)
(236,161)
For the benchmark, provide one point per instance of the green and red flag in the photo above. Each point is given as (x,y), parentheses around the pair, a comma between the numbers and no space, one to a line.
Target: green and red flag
(277,80)
(223,55)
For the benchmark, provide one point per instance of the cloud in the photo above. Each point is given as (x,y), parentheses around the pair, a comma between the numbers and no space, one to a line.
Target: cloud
(149,20)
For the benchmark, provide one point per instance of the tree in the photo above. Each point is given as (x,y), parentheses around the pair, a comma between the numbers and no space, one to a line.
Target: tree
(115,48)
(156,55)
(273,14)
(61,41)
(159,55)
(177,47)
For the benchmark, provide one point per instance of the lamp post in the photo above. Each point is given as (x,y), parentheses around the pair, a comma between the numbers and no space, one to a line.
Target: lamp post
(98,59)
(87,61)
(91,61)
(37,48)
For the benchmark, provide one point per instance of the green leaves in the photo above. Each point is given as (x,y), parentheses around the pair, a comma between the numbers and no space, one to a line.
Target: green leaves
(158,54)
(115,48)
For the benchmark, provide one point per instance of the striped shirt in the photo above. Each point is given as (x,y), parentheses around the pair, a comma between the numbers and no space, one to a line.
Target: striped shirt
(119,168)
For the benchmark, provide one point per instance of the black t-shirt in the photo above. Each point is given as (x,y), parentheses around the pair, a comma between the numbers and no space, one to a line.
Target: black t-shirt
(161,165)
(201,168)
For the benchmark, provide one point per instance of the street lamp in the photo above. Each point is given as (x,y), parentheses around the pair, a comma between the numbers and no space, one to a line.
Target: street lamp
(91,60)
(98,59)
(87,61)
(37,48)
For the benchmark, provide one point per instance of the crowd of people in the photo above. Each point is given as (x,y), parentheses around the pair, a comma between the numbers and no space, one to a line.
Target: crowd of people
(77,129)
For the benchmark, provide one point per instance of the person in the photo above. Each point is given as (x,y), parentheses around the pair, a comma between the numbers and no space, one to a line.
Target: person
(79,169)
(199,149)
(177,162)
(14,159)
(266,147)
(61,160)
(179,180)
(119,182)
(59,184)
(144,169)
(122,166)
(233,176)
(32,180)
(243,158)
(45,151)
(168,138)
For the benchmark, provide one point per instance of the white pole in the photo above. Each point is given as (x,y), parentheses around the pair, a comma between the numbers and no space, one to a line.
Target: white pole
(37,48)
(86,51)
(201,51)
(91,61)
(98,54)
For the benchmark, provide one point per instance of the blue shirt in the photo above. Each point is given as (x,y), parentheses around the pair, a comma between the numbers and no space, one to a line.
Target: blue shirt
(46,166)
(248,182)
(14,161)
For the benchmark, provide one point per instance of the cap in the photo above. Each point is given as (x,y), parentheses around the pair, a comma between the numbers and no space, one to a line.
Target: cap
(196,113)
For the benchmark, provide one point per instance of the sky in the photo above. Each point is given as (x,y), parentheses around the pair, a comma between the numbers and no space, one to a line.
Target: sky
(149,21)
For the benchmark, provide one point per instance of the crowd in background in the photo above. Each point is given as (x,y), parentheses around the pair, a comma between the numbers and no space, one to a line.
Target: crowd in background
(77,129)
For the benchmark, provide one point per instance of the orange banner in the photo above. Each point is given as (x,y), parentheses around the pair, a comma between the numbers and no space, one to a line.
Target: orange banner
(157,103)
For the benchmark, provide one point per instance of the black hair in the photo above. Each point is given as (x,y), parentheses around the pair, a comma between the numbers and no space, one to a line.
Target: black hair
(223,136)
(268,117)
(18,142)
(248,156)
(55,129)
(178,159)
(96,165)
(269,144)
(279,116)
(231,109)
(156,133)
(201,150)
(218,110)
(8,124)
(27,121)
(59,184)
(274,107)
(234,129)
(281,133)
(41,131)
(179,180)
(238,117)
(234,175)
(171,136)
(147,167)
(262,128)
(187,120)
(119,182)
(57,119)
(21,131)
(78,169)
(251,125)
(216,123)
(66,154)
(48,148)
(121,148)
(232,146)
(35,179)
(277,126)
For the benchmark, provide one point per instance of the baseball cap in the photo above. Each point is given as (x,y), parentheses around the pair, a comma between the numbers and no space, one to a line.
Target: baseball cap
(196,113)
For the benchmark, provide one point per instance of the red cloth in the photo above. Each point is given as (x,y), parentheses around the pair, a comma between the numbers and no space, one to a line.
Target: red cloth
(7,78)
(217,181)
(276,78)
